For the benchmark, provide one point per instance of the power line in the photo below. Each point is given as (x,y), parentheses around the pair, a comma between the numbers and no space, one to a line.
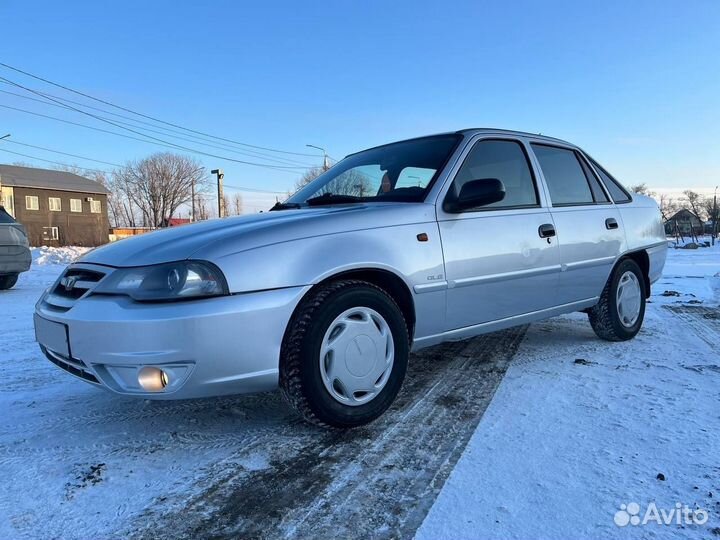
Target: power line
(178,146)
(67,165)
(63,153)
(54,162)
(195,139)
(147,116)
(253,190)
(101,130)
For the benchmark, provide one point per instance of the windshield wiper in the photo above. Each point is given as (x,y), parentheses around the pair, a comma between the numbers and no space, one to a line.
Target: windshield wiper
(285,206)
(332,198)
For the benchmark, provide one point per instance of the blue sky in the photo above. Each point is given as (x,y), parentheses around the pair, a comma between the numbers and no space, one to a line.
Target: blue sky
(637,84)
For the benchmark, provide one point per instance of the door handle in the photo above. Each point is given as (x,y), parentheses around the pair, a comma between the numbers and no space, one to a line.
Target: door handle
(546,230)
(611,223)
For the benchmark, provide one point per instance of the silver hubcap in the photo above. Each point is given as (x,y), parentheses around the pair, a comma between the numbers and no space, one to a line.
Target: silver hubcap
(356,356)
(628,299)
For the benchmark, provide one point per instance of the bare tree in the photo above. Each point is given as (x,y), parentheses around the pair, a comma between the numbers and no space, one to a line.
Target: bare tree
(226,205)
(201,209)
(640,189)
(156,186)
(308,176)
(351,182)
(237,204)
(694,203)
(668,206)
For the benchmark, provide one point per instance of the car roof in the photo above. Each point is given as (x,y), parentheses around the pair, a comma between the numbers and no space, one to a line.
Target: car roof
(475,131)
(469,132)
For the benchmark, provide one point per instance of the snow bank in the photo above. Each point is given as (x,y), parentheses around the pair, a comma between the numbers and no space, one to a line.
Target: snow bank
(45,255)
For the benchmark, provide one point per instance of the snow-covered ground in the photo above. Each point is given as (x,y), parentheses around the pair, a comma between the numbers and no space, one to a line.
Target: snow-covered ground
(577,427)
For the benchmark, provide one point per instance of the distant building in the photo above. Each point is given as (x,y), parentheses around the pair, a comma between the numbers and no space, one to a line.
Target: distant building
(118,233)
(684,221)
(57,208)
(175,221)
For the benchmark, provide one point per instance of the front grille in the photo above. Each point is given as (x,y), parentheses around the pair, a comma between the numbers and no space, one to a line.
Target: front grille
(71,365)
(76,282)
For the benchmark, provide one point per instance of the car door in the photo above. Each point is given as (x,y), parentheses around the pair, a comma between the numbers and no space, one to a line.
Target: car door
(497,264)
(589,227)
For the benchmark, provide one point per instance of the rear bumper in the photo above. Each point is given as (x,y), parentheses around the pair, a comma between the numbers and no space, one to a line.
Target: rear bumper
(217,346)
(14,260)
(657,255)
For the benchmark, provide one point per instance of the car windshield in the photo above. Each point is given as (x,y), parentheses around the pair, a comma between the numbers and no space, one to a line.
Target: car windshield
(400,171)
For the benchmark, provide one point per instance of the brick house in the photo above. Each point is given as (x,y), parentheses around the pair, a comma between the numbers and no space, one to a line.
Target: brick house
(57,208)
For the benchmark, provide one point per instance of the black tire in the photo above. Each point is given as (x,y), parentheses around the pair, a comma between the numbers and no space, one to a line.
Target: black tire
(300,378)
(604,317)
(8,281)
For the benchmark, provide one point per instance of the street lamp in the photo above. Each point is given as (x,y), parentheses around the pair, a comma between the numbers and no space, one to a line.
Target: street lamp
(4,137)
(326,165)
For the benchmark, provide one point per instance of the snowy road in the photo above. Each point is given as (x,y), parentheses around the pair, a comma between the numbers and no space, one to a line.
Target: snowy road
(87,463)
(560,438)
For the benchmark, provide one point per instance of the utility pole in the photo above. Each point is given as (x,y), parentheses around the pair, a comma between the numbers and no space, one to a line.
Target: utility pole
(220,175)
(192,199)
(326,162)
(715,216)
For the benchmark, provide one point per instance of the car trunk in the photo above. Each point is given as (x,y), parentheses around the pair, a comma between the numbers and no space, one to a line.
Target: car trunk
(13,240)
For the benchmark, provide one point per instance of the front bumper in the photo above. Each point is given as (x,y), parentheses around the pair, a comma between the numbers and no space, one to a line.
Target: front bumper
(210,347)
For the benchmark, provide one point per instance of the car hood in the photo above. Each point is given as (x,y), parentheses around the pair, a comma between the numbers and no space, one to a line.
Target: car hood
(220,237)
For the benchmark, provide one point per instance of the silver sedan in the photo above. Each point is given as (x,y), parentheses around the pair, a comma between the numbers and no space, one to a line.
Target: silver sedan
(15,255)
(393,249)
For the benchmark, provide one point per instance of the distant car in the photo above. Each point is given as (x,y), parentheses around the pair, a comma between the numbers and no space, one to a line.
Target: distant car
(14,251)
(393,249)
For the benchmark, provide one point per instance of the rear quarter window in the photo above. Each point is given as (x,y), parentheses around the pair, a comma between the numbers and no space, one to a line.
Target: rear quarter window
(618,193)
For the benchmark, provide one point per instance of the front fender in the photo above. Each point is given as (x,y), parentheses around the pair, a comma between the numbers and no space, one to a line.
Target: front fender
(309,261)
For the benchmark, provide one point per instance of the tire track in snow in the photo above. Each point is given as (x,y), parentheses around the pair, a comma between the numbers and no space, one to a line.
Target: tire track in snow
(704,321)
(379,480)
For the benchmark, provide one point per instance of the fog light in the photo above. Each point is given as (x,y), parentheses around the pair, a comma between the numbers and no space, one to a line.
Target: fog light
(152,379)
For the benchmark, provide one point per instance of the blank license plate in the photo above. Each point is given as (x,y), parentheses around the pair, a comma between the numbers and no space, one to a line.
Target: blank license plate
(52,335)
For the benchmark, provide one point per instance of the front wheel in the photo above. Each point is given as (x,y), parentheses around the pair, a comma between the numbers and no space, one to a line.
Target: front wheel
(8,281)
(619,314)
(344,354)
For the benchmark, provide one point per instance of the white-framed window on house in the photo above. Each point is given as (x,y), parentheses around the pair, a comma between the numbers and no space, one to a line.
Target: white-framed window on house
(32,202)
(54,204)
(76,205)
(95,207)
(51,233)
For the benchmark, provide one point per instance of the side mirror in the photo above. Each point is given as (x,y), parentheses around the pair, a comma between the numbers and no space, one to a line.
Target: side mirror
(476,193)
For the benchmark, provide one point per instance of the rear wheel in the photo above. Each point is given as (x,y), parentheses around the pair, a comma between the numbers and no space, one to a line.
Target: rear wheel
(344,355)
(619,314)
(8,281)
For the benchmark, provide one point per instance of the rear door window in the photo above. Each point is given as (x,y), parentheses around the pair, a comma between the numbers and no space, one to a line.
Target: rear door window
(564,175)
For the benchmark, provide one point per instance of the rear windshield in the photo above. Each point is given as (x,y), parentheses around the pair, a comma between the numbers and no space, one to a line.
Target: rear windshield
(5,217)
(402,171)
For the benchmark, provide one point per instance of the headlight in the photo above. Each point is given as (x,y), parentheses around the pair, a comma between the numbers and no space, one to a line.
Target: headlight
(173,281)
